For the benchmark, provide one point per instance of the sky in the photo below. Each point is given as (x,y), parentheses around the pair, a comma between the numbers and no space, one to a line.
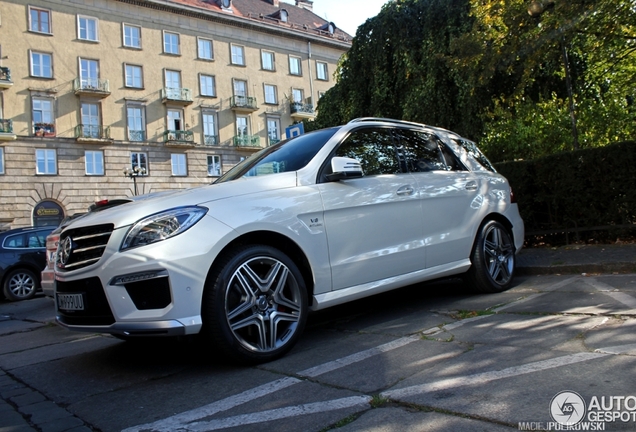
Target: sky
(347,15)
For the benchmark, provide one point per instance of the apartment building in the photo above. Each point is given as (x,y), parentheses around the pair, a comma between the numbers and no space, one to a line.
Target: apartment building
(103,99)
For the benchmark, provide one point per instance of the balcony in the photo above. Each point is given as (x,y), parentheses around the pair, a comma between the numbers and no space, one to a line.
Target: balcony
(91,87)
(44,129)
(301,111)
(211,140)
(181,96)
(5,78)
(6,130)
(243,103)
(179,138)
(136,135)
(247,141)
(92,133)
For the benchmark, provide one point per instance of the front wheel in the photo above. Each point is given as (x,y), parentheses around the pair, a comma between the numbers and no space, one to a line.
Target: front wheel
(493,259)
(20,284)
(254,305)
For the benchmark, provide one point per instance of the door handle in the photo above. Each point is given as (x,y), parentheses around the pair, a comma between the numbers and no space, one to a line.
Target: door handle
(471,186)
(405,190)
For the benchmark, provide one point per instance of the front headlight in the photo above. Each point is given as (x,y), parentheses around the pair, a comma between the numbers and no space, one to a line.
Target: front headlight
(162,226)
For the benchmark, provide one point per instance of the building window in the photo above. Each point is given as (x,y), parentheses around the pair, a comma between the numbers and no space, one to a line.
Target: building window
(298,95)
(171,43)
(94,162)
(132,36)
(175,119)
(173,81)
(273,130)
(321,71)
(179,166)
(209,128)
(136,123)
(41,65)
(43,120)
(205,50)
(240,88)
(89,74)
(207,85)
(2,160)
(295,66)
(90,120)
(242,127)
(139,160)
(134,77)
(45,161)
(238,55)
(40,20)
(267,60)
(214,165)
(270,94)
(283,15)
(87,28)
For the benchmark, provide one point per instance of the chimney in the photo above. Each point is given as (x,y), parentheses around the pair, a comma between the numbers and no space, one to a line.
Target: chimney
(272,2)
(305,4)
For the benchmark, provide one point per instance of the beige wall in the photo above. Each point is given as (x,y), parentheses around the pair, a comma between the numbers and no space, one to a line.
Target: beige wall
(21,189)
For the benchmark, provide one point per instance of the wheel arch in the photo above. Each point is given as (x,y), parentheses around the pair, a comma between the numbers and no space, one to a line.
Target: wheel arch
(496,217)
(20,266)
(275,240)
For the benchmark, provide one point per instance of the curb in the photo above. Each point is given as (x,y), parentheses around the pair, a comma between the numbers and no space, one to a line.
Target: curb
(603,268)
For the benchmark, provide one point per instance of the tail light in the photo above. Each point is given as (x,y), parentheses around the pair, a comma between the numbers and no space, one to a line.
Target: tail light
(513,198)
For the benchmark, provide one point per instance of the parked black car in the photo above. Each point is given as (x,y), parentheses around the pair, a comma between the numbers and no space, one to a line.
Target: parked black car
(22,258)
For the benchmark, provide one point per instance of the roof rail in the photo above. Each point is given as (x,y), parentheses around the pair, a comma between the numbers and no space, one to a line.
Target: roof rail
(388,120)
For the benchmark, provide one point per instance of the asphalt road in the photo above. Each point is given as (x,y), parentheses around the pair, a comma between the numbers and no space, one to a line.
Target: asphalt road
(428,357)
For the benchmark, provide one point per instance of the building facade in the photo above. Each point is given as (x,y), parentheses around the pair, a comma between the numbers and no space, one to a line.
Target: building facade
(103,99)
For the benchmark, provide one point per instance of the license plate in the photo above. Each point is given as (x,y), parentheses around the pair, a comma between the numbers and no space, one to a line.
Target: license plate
(70,302)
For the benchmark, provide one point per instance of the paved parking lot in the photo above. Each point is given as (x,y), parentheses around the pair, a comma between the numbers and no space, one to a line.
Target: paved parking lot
(553,349)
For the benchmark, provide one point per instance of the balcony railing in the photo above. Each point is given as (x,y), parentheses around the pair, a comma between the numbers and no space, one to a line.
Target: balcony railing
(210,140)
(177,95)
(6,130)
(136,135)
(179,137)
(247,141)
(5,77)
(92,132)
(273,141)
(92,86)
(6,126)
(243,103)
(44,129)
(301,110)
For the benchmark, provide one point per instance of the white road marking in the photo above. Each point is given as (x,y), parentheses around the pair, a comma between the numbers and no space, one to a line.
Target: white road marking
(485,377)
(281,413)
(623,349)
(609,290)
(176,422)
(354,358)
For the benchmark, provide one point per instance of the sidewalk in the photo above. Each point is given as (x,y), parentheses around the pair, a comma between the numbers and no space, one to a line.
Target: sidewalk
(29,408)
(610,258)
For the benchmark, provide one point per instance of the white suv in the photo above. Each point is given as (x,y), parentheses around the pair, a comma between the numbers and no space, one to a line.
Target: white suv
(315,221)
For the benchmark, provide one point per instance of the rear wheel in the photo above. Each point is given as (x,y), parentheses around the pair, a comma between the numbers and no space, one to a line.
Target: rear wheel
(493,259)
(255,305)
(20,284)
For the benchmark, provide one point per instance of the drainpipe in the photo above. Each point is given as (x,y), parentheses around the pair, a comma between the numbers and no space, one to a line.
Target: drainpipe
(311,78)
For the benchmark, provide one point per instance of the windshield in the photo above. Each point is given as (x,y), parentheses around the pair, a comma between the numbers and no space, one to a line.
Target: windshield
(288,155)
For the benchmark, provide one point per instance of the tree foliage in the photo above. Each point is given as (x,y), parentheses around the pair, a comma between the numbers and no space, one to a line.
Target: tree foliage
(492,72)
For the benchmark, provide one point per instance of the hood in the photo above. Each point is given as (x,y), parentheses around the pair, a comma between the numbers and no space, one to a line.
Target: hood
(206,196)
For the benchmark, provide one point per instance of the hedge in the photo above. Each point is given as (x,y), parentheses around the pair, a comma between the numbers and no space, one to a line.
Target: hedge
(576,191)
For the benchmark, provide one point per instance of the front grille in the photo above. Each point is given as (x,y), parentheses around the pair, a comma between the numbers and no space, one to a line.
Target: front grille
(96,308)
(87,246)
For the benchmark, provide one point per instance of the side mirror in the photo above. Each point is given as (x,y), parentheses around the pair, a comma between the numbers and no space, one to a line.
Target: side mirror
(343,168)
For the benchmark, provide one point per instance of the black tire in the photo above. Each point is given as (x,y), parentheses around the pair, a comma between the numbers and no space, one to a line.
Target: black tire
(20,284)
(254,305)
(493,259)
